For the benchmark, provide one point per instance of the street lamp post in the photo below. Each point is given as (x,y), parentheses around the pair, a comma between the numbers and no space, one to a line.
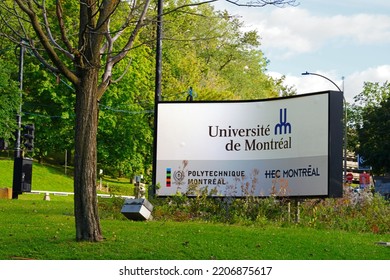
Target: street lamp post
(315,74)
(157,92)
(345,117)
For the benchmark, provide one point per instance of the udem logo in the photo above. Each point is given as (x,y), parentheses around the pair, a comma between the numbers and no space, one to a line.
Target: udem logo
(283,124)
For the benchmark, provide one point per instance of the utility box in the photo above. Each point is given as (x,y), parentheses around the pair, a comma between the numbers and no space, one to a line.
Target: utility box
(27,174)
(23,175)
(137,209)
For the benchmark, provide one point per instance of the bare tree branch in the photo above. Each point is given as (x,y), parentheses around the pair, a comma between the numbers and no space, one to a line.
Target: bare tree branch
(64,37)
(263,3)
(124,72)
(45,41)
(37,54)
(115,59)
(111,39)
(188,5)
(50,35)
(255,3)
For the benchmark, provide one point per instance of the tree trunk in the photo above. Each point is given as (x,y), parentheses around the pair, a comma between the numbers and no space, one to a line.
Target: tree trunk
(85,160)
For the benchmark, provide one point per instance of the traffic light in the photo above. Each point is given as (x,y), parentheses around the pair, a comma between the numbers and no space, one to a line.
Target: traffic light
(28,135)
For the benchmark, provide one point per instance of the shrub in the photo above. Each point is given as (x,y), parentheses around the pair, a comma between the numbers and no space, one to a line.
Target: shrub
(359,212)
(110,208)
(200,204)
(355,211)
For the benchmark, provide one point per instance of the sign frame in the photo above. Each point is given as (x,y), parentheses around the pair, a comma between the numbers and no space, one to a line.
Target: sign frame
(333,111)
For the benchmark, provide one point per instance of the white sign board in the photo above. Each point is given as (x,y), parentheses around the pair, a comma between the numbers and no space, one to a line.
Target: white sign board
(260,148)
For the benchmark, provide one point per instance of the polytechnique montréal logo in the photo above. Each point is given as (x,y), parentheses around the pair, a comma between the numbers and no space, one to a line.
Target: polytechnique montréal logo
(178,177)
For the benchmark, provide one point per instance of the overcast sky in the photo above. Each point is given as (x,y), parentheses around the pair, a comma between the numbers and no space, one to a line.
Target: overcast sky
(334,38)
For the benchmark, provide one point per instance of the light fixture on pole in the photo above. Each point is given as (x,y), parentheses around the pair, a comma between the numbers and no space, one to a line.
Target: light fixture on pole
(345,116)
(315,74)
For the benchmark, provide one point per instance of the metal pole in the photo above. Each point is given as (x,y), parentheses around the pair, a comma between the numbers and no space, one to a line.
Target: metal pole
(345,135)
(18,154)
(157,95)
(298,216)
(66,160)
(158,52)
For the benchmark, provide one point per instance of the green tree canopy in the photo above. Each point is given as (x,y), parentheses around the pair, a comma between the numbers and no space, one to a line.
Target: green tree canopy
(209,51)
(374,126)
(9,99)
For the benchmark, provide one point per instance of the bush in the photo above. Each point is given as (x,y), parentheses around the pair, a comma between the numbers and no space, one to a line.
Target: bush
(355,211)
(110,208)
(358,212)
(200,204)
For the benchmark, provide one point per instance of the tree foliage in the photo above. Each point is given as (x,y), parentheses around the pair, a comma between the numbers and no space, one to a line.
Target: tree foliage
(125,135)
(48,102)
(9,99)
(374,126)
(207,50)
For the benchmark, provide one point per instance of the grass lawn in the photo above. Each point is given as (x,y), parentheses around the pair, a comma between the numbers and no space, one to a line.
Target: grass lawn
(53,178)
(32,228)
(45,177)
